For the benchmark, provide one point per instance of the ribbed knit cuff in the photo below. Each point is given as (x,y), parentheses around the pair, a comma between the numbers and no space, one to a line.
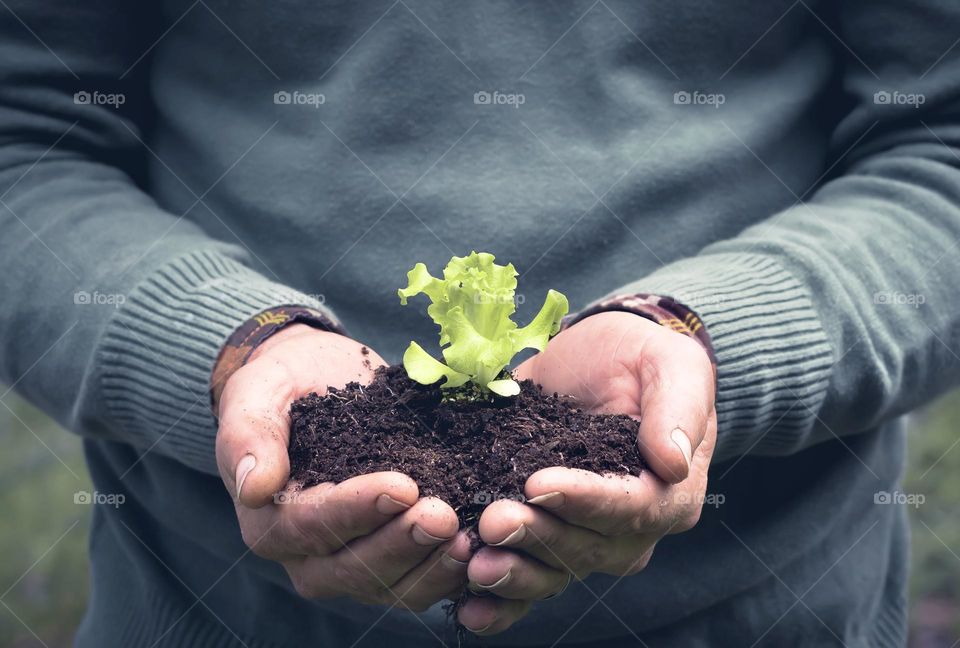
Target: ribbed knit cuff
(773,356)
(159,350)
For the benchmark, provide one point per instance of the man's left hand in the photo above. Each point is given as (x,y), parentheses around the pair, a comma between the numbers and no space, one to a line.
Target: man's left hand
(575,522)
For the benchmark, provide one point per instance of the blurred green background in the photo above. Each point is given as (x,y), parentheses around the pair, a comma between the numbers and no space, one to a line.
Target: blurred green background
(43,535)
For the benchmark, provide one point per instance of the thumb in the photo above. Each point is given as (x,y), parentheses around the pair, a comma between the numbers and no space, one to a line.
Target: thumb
(677,392)
(254,432)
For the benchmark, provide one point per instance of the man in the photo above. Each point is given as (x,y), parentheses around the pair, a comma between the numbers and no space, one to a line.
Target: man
(786,171)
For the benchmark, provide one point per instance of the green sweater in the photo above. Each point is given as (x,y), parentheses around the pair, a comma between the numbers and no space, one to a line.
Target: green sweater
(789,170)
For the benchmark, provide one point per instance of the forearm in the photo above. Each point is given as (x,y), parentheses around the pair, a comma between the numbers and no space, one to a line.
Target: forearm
(839,312)
(835,315)
(115,308)
(118,338)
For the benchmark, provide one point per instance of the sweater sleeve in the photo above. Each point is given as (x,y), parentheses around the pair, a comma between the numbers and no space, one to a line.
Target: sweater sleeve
(114,309)
(842,311)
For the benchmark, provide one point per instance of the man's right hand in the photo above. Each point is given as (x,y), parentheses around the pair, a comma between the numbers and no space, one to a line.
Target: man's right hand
(369,538)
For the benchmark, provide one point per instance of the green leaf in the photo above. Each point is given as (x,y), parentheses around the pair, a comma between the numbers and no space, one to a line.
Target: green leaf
(426,370)
(505,387)
(544,326)
(419,280)
(472,305)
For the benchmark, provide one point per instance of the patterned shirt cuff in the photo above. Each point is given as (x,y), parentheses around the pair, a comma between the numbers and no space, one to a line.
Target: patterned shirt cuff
(663,310)
(251,334)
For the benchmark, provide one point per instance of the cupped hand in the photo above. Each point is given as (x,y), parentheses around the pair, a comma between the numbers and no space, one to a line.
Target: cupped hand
(575,522)
(369,538)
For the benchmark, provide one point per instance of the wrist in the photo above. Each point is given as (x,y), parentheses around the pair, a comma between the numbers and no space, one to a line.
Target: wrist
(664,311)
(258,333)
(295,330)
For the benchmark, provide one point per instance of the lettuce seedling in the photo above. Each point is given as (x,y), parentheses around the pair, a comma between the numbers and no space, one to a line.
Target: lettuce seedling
(472,305)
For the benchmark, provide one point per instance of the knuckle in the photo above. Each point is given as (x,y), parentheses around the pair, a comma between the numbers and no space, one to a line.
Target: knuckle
(303,589)
(382,595)
(312,539)
(357,580)
(581,573)
(253,541)
(587,560)
(688,520)
(556,589)
(577,565)
(649,516)
(638,523)
(616,524)
(637,565)
(391,554)
(580,569)
(610,518)
(304,586)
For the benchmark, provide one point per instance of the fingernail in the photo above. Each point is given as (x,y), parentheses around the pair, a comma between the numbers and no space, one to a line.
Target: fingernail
(503,581)
(552,500)
(423,538)
(682,442)
(246,464)
(389,506)
(475,590)
(451,562)
(513,538)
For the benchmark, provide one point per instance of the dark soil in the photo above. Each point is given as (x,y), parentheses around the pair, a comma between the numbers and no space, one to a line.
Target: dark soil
(467,453)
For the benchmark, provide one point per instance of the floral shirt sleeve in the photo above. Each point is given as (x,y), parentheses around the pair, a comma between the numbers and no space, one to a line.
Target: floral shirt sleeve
(663,310)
